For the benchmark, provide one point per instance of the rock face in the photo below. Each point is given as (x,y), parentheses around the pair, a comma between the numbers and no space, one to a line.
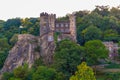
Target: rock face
(113,49)
(26,50)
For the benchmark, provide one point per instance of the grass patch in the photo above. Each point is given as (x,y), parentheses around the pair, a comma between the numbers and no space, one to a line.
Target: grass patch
(113,65)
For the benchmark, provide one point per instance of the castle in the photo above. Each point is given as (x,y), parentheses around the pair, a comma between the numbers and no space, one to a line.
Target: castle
(49,25)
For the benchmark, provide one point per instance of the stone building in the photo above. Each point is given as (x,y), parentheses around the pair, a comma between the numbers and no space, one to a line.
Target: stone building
(48,27)
(113,49)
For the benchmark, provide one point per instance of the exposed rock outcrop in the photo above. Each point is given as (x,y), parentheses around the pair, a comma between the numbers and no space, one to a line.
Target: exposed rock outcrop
(47,49)
(26,50)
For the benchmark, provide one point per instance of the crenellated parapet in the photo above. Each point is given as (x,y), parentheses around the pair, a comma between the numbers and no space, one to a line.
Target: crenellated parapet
(43,14)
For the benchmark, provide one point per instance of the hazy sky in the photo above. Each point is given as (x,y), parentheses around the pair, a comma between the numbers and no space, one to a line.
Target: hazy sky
(32,8)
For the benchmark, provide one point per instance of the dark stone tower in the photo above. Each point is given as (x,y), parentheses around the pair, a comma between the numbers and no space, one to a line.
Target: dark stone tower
(44,24)
(46,37)
(72,20)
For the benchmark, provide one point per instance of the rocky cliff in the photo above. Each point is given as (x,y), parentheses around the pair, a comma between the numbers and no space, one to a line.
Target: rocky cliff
(26,50)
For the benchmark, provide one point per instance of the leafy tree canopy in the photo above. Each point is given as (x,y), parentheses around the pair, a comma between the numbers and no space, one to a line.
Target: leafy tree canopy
(84,72)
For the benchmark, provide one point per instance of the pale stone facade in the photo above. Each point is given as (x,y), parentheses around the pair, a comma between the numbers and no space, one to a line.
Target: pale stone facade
(113,49)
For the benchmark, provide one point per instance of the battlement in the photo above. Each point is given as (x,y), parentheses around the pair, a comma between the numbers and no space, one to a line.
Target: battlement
(43,14)
(46,14)
(52,15)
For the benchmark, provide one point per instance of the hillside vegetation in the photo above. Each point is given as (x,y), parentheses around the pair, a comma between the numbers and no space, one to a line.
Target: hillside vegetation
(93,27)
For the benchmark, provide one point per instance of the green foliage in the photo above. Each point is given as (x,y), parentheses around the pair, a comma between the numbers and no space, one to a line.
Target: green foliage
(113,65)
(15,78)
(84,72)
(4,47)
(95,50)
(63,18)
(112,76)
(67,56)
(115,12)
(10,29)
(12,22)
(31,26)
(4,44)
(91,33)
(118,57)
(7,76)
(21,72)
(56,34)
(14,39)
(119,43)
(44,73)
(102,23)
(3,56)
(102,10)
(102,18)
(38,62)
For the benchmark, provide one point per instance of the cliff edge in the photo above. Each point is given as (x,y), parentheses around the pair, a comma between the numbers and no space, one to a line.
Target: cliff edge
(26,50)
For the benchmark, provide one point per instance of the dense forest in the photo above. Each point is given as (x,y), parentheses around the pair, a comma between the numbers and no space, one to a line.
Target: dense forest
(93,28)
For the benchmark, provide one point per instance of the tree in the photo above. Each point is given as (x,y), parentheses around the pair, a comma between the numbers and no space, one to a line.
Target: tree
(67,56)
(45,73)
(4,48)
(93,19)
(15,78)
(4,44)
(95,50)
(111,35)
(12,22)
(91,33)
(115,12)
(14,39)
(102,10)
(21,73)
(7,75)
(84,72)
(3,56)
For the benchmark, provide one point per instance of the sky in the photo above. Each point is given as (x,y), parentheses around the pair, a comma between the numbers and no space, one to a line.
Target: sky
(33,8)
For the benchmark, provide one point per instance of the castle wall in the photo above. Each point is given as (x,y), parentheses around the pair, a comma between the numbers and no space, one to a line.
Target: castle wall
(63,27)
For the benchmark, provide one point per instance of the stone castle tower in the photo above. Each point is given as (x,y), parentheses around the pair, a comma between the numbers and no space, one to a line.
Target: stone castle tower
(48,26)
(46,36)
(72,20)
